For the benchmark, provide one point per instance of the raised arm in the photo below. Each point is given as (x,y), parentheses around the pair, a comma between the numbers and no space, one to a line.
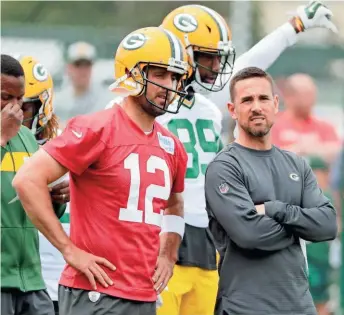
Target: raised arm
(266,51)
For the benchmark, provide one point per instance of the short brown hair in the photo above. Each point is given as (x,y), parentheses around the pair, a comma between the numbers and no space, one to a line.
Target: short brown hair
(248,73)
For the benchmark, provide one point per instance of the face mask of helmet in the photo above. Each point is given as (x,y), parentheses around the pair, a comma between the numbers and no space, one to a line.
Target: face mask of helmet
(35,104)
(174,96)
(212,69)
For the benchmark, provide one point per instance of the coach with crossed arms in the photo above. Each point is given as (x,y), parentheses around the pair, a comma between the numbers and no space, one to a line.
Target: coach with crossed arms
(262,201)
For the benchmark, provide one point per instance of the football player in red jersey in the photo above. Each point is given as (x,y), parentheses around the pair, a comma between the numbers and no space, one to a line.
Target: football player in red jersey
(126,179)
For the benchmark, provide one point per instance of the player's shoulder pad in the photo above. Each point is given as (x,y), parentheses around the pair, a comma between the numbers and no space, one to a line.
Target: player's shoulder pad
(95,123)
(220,98)
(202,101)
(94,120)
(114,102)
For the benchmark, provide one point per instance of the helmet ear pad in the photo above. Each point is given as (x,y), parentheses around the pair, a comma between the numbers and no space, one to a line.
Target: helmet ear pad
(138,75)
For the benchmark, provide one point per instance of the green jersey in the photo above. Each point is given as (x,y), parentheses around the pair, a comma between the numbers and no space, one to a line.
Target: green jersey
(20,259)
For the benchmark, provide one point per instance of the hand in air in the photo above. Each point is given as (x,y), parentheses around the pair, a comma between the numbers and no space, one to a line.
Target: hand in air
(316,14)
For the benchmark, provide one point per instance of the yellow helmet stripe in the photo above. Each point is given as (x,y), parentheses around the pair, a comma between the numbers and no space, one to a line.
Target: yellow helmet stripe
(219,22)
(176,47)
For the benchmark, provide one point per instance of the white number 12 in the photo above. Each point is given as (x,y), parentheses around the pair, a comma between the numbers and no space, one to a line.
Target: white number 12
(131,212)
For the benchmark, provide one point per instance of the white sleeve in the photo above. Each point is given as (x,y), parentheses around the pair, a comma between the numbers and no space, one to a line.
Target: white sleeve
(265,52)
(262,55)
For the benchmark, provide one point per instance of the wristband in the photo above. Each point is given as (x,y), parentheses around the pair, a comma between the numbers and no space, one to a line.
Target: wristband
(297,24)
(173,223)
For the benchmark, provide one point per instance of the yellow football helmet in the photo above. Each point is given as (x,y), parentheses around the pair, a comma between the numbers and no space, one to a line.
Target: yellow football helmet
(203,32)
(38,89)
(150,46)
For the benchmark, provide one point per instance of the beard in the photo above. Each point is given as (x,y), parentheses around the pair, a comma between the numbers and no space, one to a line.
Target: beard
(157,109)
(258,131)
(150,109)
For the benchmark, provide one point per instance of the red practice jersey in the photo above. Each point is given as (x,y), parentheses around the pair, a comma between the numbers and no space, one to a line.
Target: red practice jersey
(120,181)
(287,131)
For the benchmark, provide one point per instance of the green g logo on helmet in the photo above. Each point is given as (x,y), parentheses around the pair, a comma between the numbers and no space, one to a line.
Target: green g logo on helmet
(134,41)
(185,22)
(40,73)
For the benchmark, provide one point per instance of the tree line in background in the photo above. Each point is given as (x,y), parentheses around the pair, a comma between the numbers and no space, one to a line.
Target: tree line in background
(127,14)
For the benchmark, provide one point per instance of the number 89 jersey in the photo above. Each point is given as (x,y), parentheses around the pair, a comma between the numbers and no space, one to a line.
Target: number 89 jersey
(198,127)
(120,182)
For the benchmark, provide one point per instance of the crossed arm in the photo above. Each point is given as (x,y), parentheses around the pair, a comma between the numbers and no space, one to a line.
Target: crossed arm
(277,226)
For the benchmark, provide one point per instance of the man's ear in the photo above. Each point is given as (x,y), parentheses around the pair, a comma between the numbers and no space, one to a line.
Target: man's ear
(276,103)
(231,109)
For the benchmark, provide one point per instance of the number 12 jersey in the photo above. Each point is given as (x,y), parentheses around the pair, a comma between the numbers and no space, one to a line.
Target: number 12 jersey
(120,181)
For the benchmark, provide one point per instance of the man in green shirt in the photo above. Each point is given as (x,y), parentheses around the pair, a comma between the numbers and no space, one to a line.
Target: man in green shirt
(22,286)
(318,253)
(337,184)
